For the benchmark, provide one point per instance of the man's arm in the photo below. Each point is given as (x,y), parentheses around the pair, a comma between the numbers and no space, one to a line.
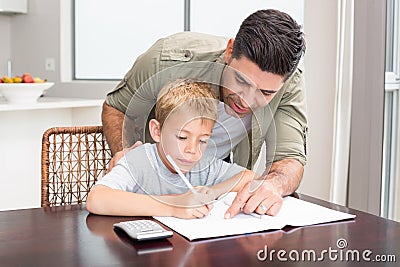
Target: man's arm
(112,120)
(265,195)
(286,176)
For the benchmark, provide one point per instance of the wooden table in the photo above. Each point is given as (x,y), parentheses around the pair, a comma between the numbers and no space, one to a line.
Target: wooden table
(70,236)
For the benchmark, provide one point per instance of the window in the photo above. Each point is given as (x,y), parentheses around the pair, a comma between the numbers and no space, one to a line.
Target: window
(110,35)
(223,17)
(390,199)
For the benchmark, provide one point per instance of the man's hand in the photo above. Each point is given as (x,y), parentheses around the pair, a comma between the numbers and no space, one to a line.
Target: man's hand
(120,154)
(258,196)
(265,196)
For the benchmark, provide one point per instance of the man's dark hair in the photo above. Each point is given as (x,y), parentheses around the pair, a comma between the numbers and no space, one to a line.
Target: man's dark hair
(271,39)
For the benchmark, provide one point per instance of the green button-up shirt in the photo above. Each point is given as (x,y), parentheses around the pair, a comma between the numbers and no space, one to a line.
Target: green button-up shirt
(137,93)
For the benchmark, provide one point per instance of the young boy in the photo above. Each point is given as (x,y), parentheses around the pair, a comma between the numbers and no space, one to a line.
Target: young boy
(145,183)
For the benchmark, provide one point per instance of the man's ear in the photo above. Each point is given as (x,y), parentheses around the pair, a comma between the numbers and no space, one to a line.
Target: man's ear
(155,130)
(229,49)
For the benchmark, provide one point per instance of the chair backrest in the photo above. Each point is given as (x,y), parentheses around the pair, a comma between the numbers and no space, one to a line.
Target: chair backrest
(73,158)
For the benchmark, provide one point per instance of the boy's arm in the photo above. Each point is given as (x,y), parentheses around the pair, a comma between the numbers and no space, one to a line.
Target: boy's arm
(234,184)
(104,200)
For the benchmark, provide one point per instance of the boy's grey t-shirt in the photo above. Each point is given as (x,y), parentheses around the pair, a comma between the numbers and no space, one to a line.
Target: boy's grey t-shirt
(142,171)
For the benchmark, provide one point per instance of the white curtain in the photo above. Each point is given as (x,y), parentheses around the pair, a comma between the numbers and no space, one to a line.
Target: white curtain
(342,119)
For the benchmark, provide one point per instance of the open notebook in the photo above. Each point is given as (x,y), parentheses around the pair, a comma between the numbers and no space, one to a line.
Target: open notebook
(294,212)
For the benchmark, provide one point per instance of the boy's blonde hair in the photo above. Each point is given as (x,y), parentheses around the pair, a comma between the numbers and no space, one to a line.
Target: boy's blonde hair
(194,96)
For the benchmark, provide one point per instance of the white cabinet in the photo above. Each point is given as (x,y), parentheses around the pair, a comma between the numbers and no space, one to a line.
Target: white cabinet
(13,6)
(21,130)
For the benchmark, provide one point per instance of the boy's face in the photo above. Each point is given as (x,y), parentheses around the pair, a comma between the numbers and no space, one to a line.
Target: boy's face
(184,137)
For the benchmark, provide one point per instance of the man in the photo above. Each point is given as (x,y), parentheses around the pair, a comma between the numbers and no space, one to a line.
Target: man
(260,76)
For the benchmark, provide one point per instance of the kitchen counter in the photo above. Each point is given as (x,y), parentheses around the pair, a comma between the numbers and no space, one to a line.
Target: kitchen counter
(50,103)
(22,127)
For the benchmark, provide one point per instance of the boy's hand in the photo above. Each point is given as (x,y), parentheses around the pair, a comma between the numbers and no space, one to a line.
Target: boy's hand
(189,205)
(204,196)
(120,154)
(192,213)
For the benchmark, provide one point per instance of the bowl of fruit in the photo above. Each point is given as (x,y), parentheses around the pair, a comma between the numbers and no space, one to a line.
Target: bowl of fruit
(23,89)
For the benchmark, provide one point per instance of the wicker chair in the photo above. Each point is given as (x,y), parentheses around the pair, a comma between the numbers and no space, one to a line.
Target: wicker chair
(73,158)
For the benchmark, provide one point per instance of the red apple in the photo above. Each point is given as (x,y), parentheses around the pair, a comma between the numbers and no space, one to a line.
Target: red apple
(27,78)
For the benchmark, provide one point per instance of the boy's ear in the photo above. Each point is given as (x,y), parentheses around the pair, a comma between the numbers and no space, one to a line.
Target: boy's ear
(229,49)
(155,130)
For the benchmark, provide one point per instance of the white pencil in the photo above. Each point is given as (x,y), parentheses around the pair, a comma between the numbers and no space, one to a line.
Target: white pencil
(183,177)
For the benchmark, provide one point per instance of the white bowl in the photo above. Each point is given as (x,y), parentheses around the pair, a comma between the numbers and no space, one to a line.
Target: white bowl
(23,92)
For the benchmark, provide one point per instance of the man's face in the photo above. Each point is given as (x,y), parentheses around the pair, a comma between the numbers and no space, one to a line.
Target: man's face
(184,137)
(245,87)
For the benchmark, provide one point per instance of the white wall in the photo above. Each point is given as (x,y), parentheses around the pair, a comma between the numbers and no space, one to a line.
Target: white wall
(36,36)
(320,24)
(5,45)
